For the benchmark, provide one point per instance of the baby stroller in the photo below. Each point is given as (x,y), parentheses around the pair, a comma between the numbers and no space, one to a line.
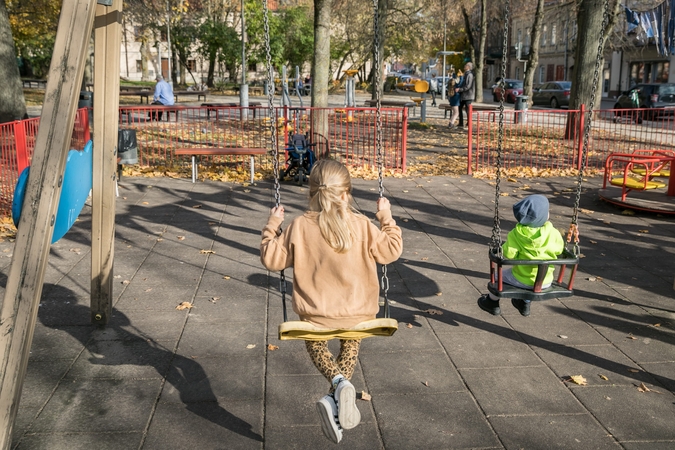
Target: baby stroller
(300,159)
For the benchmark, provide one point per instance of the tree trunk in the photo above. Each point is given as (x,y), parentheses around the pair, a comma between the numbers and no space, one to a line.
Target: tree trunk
(469,34)
(212,68)
(480,52)
(589,23)
(533,58)
(321,73)
(12,102)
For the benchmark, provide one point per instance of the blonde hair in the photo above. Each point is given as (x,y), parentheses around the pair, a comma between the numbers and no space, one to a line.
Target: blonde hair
(327,182)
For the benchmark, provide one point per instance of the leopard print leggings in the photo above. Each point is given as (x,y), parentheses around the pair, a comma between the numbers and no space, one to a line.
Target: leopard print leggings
(331,367)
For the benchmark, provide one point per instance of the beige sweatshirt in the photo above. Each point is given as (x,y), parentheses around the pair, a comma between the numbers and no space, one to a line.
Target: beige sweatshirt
(331,289)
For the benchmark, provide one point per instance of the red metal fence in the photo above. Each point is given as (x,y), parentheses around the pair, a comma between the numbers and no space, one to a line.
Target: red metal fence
(350,136)
(552,139)
(17,142)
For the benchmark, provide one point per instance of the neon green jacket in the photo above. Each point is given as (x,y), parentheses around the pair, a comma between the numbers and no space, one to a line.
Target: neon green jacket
(528,243)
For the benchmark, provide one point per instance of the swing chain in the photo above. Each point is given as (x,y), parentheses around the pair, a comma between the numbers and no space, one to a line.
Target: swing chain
(574,228)
(378,99)
(270,103)
(496,240)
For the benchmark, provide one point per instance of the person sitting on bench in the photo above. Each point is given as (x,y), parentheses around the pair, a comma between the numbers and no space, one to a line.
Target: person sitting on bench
(163,96)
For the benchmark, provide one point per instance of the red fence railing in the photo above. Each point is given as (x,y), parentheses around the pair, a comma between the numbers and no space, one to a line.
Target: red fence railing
(350,133)
(543,139)
(17,142)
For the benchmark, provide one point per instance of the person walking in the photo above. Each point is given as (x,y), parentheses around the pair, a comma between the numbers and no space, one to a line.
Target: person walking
(467,93)
(333,250)
(455,81)
(433,88)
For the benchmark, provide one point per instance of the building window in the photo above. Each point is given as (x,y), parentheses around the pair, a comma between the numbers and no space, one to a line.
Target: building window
(528,40)
(542,74)
(553,34)
(252,67)
(138,34)
(544,31)
(139,65)
(191,65)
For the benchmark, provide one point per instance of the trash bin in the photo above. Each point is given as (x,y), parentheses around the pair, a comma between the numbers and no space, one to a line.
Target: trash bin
(127,147)
(520,116)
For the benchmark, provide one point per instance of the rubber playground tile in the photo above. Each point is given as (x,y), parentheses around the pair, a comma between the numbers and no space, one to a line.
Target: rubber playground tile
(364,437)
(210,425)
(153,297)
(485,350)
(58,342)
(545,330)
(631,415)
(467,317)
(418,337)
(290,401)
(520,390)
(123,359)
(418,372)
(235,377)
(209,340)
(41,378)
(82,405)
(456,421)
(651,344)
(663,373)
(68,441)
(564,432)
(593,362)
(143,325)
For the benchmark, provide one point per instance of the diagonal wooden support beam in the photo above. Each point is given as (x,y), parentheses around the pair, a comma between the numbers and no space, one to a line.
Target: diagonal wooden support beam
(31,250)
(107,36)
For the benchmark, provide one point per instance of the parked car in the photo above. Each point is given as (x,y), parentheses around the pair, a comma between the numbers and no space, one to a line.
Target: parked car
(512,88)
(648,96)
(554,94)
(406,82)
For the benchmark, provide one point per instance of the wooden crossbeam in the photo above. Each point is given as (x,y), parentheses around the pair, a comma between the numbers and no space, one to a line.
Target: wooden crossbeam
(31,249)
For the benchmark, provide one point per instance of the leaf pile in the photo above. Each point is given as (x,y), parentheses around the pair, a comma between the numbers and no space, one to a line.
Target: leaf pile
(7,229)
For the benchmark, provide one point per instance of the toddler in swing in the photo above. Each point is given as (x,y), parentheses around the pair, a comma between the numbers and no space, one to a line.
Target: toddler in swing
(333,250)
(534,238)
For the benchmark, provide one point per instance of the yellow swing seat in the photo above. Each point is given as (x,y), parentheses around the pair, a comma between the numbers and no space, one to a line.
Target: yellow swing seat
(298,329)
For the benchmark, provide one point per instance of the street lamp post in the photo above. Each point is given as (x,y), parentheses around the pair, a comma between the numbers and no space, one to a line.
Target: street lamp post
(243,90)
(168,44)
(444,49)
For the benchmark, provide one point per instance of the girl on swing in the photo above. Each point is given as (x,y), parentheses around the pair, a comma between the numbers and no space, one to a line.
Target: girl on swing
(333,250)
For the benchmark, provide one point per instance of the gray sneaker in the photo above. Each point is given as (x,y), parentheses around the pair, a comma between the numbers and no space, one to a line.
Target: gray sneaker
(328,413)
(348,412)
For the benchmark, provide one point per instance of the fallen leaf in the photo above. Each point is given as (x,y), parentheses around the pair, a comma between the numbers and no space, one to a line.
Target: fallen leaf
(643,231)
(405,191)
(603,377)
(627,212)
(148,290)
(76,250)
(504,194)
(365,396)
(126,282)
(634,370)
(247,190)
(426,383)
(578,379)
(214,299)
(206,252)
(146,203)
(249,346)
(160,239)
(631,337)
(438,294)
(586,211)
(562,336)
(591,278)
(405,220)
(592,241)
(643,388)
(657,324)
(425,258)
(184,305)
(212,223)
(197,206)
(434,312)
(226,277)
(117,276)
(272,347)
(409,325)
(180,238)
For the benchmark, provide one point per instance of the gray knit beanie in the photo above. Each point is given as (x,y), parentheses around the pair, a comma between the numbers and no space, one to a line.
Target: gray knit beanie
(532,211)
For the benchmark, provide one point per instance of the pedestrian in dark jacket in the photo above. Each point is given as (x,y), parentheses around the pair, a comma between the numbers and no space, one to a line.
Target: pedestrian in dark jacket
(467,93)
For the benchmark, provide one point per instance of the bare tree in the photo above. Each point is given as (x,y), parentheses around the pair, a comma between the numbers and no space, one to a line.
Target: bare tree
(533,58)
(12,102)
(477,46)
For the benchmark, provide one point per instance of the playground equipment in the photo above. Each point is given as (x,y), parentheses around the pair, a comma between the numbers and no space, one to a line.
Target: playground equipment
(644,174)
(558,288)
(300,155)
(45,183)
(303,330)
(350,88)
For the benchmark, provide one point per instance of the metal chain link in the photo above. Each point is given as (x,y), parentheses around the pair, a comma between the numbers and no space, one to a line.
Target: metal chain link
(378,135)
(496,241)
(273,137)
(574,229)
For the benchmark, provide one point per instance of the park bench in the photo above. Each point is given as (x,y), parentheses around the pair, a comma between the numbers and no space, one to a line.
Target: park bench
(253,90)
(129,91)
(215,151)
(395,103)
(445,107)
(199,94)
(39,84)
(217,107)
